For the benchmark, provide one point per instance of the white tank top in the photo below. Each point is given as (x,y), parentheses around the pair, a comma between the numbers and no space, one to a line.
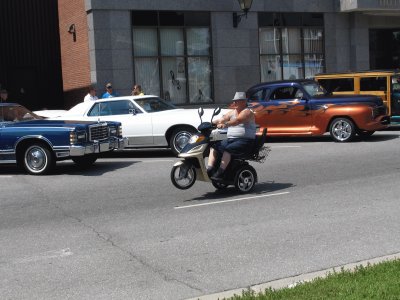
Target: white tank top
(246,130)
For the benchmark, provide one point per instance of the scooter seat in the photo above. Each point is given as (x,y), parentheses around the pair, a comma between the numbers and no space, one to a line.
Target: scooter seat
(258,143)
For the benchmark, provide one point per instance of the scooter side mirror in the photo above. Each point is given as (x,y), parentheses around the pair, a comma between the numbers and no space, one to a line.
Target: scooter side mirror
(200,111)
(216,111)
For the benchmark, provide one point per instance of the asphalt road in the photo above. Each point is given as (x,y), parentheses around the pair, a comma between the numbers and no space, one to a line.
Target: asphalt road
(121,230)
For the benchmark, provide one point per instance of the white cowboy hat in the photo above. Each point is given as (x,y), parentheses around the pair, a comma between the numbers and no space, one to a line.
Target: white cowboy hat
(239,96)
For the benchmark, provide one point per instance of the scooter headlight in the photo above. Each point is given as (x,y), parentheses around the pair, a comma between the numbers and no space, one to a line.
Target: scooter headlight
(196,138)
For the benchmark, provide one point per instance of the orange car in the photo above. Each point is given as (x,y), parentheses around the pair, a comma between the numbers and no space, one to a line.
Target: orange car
(304,108)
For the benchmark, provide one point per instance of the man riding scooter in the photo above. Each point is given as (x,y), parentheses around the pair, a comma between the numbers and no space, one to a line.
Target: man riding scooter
(241,133)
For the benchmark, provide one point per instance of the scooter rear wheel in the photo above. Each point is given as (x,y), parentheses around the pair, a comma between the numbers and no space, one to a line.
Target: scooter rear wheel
(245,179)
(183,176)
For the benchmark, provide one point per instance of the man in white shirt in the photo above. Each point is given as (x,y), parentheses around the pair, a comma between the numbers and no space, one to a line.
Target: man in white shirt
(91,96)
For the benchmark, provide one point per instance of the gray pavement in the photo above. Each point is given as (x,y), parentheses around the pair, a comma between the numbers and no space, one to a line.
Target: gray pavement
(122,231)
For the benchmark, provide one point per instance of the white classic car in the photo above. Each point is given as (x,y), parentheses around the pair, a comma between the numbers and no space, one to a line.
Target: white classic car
(147,121)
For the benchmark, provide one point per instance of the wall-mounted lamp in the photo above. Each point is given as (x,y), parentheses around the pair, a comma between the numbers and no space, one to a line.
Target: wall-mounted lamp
(72,31)
(245,6)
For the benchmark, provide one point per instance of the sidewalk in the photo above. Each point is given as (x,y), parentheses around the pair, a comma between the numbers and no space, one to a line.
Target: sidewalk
(294,280)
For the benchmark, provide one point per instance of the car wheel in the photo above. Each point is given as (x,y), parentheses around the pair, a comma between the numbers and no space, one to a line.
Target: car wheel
(84,161)
(180,137)
(38,159)
(342,130)
(245,179)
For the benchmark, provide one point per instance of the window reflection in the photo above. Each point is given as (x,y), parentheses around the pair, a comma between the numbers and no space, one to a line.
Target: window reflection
(287,52)
(174,61)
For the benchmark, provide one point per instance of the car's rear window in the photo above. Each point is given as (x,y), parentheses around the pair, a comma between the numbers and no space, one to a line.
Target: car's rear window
(373,84)
(338,84)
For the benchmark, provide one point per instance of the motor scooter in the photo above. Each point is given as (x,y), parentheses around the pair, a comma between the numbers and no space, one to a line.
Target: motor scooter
(192,165)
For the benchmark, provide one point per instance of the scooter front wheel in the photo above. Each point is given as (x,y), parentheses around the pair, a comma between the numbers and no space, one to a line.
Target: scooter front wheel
(183,176)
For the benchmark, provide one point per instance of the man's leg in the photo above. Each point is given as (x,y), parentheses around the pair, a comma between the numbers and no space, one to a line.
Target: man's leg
(226,158)
(212,157)
(215,156)
(211,161)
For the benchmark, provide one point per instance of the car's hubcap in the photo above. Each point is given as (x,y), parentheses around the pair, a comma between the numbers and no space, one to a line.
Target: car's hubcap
(181,139)
(36,159)
(342,130)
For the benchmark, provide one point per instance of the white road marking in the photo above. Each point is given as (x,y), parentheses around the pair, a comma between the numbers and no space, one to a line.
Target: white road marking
(231,200)
(6,176)
(156,161)
(46,255)
(273,147)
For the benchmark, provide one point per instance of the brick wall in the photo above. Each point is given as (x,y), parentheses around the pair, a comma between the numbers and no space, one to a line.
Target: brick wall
(74,54)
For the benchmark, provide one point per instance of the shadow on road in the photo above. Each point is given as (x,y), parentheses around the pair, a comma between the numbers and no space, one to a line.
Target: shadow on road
(133,153)
(259,189)
(99,168)
(70,168)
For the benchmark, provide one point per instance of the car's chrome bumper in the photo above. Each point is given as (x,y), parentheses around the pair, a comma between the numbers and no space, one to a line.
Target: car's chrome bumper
(99,147)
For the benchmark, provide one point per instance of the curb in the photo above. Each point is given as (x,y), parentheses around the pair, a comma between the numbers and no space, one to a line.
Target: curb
(294,280)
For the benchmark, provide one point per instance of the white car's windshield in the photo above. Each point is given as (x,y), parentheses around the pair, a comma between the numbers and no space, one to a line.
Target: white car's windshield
(314,89)
(16,113)
(155,104)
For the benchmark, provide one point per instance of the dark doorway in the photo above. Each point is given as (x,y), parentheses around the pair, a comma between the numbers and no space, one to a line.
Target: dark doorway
(384,48)
(30,56)
(22,86)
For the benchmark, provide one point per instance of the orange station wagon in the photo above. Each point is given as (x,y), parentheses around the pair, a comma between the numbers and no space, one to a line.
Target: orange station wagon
(381,83)
(304,108)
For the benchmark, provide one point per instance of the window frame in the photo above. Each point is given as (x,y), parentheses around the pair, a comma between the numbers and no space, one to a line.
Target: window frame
(159,57)
(281,27)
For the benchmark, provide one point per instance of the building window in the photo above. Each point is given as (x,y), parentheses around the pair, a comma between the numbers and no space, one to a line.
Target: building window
(172,55)
(291,45)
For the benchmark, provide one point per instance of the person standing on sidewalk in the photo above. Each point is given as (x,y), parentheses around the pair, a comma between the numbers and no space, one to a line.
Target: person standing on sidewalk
(109,92)
(91,96)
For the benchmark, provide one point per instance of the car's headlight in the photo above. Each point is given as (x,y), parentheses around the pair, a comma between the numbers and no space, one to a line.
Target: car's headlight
(113,131)
(77,137)
(73,139)
(196,138)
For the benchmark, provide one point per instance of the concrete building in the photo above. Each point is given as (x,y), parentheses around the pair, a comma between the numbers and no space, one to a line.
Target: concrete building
(190,52)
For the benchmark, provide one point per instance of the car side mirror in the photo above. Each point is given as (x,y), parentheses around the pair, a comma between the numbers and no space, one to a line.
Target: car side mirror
(132,111)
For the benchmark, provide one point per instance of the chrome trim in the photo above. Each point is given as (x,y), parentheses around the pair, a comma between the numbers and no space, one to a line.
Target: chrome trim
(40,137)
(62,154)
(98,147)
(7,152)
(10,161)
(104,131)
